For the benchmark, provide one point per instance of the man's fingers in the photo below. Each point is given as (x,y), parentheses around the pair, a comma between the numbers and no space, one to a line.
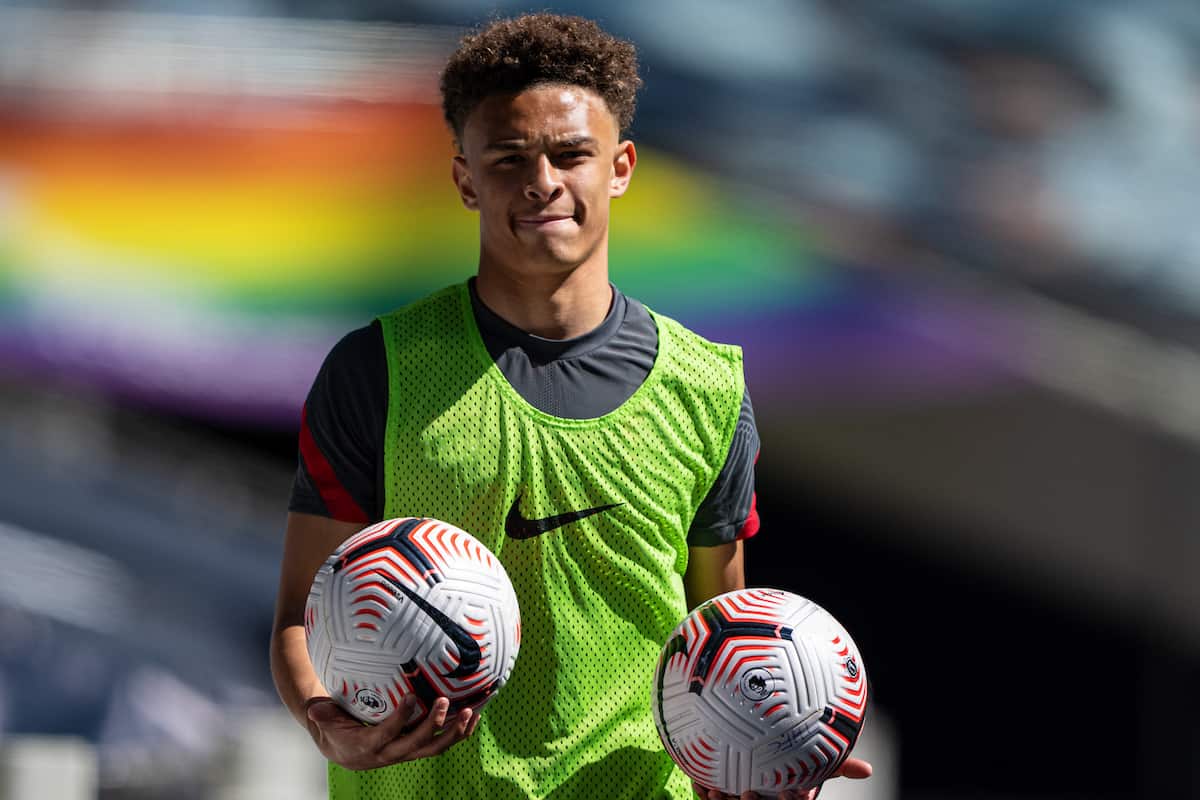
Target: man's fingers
(854,768)
(403,747)
(447,738)
(455,730)
(798,794)
(717,794)
(434,721)
(437,717)
(390,728)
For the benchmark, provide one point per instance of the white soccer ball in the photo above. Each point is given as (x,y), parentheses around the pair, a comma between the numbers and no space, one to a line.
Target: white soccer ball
(411,606)
(759,689)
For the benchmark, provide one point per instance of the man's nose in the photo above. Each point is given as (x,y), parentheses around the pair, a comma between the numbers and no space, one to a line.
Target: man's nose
(545,183)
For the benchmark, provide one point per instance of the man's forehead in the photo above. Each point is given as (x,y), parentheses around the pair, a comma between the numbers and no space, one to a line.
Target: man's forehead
(551,111)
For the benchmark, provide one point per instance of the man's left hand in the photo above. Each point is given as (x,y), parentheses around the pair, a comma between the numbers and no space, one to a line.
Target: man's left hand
(854,768)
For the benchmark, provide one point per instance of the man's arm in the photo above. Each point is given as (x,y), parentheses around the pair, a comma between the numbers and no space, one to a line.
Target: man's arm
(715,570)
(340,737)
(712,571)
(308,542)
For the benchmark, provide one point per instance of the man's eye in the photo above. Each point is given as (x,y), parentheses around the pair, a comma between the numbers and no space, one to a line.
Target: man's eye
(513,159)
(573,155)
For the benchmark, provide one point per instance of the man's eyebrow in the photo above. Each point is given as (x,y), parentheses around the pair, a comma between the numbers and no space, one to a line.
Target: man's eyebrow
(513,145)
(576,141)
(506,145)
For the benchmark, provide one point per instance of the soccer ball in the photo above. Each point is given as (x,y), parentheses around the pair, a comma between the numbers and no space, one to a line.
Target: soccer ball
(759,689)
(411,606)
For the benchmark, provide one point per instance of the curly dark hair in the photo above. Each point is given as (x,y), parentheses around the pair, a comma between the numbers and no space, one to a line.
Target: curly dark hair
(510,55)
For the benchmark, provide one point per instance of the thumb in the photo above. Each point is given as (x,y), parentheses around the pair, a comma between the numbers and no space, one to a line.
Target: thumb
(855,768)
(322,710)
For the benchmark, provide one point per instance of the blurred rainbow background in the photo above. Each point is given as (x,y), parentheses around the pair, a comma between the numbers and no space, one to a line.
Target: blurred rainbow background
(200,248)
(202,263)
(953,237)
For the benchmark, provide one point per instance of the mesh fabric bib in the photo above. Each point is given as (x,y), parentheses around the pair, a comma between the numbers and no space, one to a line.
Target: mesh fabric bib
(599,594)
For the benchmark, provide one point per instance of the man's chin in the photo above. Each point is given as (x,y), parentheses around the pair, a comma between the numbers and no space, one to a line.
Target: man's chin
(544,255)
(552,252)
(544,263)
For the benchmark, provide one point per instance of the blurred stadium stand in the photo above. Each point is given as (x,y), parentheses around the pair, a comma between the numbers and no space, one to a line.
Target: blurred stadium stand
(957,239)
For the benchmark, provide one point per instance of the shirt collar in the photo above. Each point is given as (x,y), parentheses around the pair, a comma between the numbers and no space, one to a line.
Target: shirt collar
(499,334)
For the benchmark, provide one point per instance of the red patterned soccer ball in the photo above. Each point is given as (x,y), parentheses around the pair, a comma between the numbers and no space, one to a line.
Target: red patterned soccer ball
(759,689)
(411,606)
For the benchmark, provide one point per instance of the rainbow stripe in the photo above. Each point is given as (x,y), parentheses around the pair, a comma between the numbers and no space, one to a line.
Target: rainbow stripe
(208,264)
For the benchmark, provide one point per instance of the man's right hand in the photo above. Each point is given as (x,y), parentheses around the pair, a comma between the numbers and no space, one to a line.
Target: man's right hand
(345,741)
(341,738)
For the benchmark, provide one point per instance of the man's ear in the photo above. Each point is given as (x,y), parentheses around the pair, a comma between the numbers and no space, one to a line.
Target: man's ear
(623,163)
(462,181)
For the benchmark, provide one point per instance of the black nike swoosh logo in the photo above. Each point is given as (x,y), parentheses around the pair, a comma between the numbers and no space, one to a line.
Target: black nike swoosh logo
(469,653)
(518,527)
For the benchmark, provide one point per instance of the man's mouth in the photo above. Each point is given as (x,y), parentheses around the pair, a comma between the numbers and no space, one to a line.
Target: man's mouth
(545,221)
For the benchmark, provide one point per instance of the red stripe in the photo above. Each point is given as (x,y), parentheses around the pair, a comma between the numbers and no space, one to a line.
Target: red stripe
(337,500)
(750,526)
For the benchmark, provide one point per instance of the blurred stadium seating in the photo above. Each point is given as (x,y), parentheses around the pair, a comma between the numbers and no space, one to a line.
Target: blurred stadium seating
(956,238)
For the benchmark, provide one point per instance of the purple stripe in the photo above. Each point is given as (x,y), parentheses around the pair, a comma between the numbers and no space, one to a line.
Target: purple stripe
(875,342)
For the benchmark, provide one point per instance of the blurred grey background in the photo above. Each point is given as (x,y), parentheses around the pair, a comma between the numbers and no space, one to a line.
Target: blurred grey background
(958,240)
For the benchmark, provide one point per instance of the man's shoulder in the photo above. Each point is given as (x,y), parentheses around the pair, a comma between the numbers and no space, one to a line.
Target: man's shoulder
(430,330)
(358,348)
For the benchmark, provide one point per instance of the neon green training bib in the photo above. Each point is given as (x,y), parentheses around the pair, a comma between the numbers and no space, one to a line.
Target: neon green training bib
(599,592)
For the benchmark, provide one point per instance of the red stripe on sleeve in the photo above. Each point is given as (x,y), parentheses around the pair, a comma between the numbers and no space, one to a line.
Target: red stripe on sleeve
(337,500)
(750,526)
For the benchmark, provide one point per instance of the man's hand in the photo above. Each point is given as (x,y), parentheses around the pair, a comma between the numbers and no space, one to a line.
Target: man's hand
(345,741)
(852,768)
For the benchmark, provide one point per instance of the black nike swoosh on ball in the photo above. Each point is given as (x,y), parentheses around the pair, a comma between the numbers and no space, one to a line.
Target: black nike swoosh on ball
(469,652)
(518,527)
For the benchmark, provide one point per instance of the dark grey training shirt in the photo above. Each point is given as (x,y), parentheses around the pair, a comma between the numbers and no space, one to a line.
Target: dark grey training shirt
(341,440)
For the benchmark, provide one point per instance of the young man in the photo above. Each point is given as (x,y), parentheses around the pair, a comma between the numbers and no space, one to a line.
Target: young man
(603,452)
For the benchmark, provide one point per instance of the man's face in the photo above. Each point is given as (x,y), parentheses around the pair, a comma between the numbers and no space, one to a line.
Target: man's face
(540,168)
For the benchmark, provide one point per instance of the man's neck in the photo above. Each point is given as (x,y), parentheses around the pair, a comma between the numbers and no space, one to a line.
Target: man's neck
(560,306)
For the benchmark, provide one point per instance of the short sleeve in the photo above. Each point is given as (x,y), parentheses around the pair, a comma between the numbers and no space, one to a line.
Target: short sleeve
(729,512)
(341,432)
